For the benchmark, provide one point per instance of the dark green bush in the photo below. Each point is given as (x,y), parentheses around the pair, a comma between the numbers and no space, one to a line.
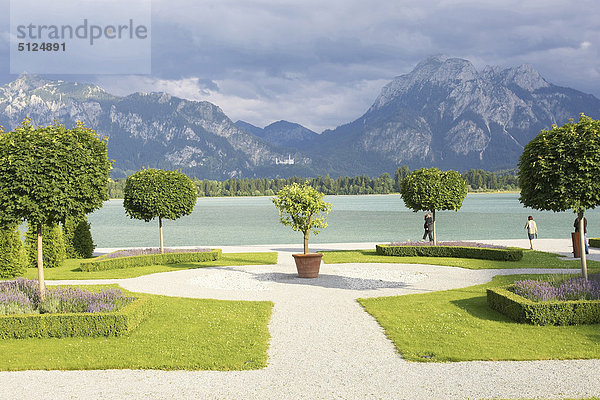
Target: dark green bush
(521,309)
(100,263)
(594,242)
(78,238)
(81,324)
(508,254)
(53,245)
(12,253)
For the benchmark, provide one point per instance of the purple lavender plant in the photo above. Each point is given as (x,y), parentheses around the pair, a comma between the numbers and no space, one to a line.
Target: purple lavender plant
(21,296)
(570,289)
(74,300)
(27,286)
(14,302)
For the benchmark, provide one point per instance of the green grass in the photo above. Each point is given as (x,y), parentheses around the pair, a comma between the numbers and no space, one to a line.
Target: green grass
(70,268)
(531,259)
(180,333)
(458,325)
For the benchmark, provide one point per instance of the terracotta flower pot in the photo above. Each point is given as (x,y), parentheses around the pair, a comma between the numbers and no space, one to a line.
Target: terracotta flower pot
(308,264)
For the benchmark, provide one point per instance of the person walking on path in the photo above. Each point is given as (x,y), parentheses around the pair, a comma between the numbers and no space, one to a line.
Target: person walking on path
(585,241)
(428,226)
(532,230)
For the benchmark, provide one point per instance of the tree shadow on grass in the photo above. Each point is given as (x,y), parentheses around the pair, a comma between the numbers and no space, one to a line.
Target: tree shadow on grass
(477,307)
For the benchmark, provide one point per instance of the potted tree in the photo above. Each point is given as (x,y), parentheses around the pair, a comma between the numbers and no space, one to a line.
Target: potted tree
(303,208)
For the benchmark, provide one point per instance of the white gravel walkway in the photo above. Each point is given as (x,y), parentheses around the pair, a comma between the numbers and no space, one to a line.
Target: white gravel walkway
(323,346)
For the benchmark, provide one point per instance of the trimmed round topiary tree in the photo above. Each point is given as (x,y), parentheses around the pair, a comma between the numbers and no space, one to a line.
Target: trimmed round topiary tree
(12,253)
(48,174)
(53,243)
(429,189)
(154,193)
(78,238)
(559,170)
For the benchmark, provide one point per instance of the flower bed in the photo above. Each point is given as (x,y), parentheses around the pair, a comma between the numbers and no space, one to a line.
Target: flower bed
(66,311)
(22,296)
(445,249)
(570,289)
(455,244)
(572,302)
(109,262)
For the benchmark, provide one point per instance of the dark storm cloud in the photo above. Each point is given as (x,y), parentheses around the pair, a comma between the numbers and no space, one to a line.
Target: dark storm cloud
(323,63)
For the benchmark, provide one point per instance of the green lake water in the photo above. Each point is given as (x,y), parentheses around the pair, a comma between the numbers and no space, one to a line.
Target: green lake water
(370,218)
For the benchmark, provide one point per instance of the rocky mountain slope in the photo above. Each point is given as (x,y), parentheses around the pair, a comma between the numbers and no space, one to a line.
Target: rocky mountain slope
(282,134)
(155,130)
(445,113)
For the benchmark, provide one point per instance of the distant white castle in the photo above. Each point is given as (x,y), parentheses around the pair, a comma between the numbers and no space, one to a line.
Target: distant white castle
(289,161)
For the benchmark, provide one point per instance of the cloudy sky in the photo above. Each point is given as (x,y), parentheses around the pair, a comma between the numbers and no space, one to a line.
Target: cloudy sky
(322,63)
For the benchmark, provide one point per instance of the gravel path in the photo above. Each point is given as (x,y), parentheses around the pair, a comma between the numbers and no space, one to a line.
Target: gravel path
(323,346)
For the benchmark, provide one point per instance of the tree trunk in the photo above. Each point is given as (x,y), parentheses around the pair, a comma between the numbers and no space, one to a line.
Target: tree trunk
(434,231)
(582,245)
(306,233)
(306,241)
(162,250)
(40,263)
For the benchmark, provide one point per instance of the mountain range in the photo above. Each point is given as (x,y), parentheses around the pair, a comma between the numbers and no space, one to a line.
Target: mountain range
(443,113)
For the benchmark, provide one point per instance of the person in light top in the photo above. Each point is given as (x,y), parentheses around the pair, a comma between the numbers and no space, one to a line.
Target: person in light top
(532,230)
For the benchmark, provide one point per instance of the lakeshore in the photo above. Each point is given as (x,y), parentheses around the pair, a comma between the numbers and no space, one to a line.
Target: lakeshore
(226,221)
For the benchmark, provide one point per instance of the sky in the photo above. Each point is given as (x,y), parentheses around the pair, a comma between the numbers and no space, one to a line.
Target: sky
(323,63)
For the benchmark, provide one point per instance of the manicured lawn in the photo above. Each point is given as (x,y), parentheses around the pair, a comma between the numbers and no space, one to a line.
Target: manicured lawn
(458,325)
(180,333)
(70,269)
(531,259)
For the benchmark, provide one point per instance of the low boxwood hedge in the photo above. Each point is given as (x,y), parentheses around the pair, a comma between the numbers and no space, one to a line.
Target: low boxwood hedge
(482,253)
(520,309)
(594,242)
(103,263)
(115,323)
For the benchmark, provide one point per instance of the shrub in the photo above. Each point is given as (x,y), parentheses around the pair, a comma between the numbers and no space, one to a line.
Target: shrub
(53,245)
(507,254)
(83,324)
(12,254)
(151,250)
(594,242)
(521,309)
(78,238)
(102,263)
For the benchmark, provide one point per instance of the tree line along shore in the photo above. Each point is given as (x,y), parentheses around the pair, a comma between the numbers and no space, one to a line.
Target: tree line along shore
(477,181)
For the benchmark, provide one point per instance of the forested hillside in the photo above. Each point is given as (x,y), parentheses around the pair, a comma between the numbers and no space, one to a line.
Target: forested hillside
(478,181)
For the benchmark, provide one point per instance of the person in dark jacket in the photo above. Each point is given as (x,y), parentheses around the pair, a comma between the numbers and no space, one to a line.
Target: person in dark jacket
(576,226)
(428,226)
